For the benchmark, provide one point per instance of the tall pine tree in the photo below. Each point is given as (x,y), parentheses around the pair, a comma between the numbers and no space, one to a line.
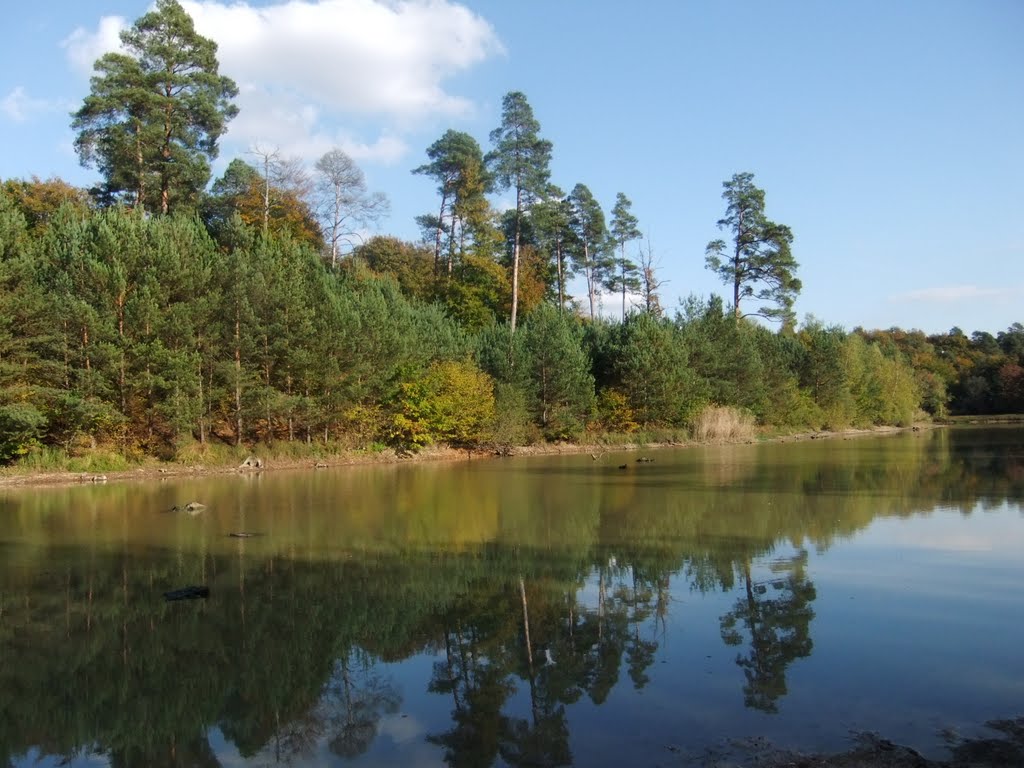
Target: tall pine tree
(519,161)
(155,113)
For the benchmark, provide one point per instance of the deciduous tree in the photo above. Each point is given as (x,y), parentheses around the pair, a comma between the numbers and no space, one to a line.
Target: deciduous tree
(261,204)
(344,201)
(650,283)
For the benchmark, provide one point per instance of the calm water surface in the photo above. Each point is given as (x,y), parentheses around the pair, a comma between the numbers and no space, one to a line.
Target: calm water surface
(541,611)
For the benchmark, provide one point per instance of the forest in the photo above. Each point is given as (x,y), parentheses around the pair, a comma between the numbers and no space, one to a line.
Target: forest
(158,314)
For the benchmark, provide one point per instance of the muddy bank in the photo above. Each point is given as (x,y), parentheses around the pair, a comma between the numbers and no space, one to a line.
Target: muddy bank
(13,476)
(1003,748)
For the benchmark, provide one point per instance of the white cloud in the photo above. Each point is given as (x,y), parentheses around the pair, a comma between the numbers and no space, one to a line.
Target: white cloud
(299,129)
(304,67)
(361,56)
(84,47)
(19,107)
(956,293)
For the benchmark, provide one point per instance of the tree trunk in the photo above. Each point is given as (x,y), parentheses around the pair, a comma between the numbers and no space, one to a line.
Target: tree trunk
(526,624)
(587,269)
(451,248)
(737,282)
(336,225)
(140,183)
(515,258)
(558,268)
(623,265)
(165,181)
(202,407)
(439,232)
(238,379)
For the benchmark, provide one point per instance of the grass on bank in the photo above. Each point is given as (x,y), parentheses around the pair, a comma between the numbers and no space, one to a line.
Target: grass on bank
(86,460)
(712,424)
(996,418)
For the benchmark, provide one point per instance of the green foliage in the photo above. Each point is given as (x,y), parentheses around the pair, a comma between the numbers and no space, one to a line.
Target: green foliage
(478,294)
(625,277)
(824,370)
(144,335)
(21,426)
(155,113)
(554,236)
(724,356)
(589,243)
(542,371)
(457,165)
(883,389)
(13,227)
(519,162)
(757,262)
(644,357)
(408,264)
(560,385)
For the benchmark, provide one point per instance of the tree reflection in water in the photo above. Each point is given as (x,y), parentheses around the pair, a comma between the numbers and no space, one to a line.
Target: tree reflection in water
(353,703)
(776,617)
(536,613)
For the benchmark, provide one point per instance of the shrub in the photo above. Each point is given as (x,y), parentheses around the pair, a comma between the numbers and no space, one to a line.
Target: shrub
(453,403)
(20,427)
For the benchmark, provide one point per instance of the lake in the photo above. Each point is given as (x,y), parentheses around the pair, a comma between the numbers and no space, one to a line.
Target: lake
(555,610)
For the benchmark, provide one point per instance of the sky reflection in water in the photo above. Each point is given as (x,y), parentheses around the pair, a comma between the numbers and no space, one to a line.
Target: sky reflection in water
(795,591)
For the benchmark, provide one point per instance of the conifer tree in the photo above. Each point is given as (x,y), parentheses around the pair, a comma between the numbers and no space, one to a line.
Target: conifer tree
(757,262)
(155,113)
(624,228)
(520,162)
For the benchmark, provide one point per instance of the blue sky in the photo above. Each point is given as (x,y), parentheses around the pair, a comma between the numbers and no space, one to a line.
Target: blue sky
(888,136)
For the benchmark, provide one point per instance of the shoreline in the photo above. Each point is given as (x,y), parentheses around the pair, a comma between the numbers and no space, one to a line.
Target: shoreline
(12,478)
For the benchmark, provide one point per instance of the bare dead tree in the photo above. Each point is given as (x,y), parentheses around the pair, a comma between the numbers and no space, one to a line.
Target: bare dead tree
(343,201)
(649,281)
(280,173)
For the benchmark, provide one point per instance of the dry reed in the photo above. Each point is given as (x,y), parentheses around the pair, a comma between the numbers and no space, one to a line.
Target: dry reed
(718,423)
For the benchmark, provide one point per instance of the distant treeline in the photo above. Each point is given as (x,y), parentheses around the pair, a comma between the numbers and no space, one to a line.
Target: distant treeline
(150,335)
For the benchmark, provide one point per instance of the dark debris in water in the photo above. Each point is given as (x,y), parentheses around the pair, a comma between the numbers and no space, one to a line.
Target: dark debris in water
(192,592)
(1005,749)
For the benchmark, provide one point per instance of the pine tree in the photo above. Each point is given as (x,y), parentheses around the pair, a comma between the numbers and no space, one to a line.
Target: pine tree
(758,262)
(624,228)
(155,114)
(519,161)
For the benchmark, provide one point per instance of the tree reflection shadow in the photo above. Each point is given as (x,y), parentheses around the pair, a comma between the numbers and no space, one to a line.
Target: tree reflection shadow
(775,616)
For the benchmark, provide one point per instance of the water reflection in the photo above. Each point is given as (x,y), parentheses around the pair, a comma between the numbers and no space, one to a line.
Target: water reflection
(775,618)
(505,602)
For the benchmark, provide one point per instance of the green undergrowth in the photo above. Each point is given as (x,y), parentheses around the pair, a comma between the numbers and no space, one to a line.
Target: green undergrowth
(213,455)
